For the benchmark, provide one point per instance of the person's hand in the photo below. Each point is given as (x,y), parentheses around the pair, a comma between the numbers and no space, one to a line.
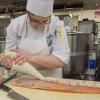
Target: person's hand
(20,58)
(6,61)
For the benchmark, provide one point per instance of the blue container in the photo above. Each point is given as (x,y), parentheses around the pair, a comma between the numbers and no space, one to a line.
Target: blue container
(92,60)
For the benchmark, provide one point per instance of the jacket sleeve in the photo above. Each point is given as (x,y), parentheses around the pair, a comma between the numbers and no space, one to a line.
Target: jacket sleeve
(60,43)
(11,37)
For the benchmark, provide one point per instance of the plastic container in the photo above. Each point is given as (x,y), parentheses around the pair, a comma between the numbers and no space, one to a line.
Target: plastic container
(91,65)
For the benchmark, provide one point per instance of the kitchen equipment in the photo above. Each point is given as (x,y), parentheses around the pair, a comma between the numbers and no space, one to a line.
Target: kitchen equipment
(79,46)
(77,65)
(2,45)
(87,26)
(4,22)
(68,22)
(78,42)
(2,39)
(97,76)
(91,69)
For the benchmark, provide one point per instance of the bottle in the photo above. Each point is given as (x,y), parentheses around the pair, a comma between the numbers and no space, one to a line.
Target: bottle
(90,73)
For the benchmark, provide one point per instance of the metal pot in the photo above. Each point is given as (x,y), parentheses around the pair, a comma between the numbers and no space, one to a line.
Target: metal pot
(79,46)
(2,46)
(78,42)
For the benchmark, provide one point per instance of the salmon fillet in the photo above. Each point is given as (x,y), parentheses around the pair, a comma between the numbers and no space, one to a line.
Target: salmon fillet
(52,86)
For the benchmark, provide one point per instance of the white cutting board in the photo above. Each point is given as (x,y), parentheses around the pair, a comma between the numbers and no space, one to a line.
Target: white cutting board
(3,96)
(35,94)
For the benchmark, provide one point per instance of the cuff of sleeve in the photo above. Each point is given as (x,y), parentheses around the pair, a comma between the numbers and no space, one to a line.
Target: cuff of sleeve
(64,58)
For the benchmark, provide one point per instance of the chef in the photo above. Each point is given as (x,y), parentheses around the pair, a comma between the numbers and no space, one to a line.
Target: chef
(39,38)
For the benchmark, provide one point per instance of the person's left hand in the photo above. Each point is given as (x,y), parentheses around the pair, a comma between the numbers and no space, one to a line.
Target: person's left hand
(21,57)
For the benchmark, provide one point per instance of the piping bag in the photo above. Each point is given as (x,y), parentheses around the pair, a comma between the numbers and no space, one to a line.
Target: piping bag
(25,68)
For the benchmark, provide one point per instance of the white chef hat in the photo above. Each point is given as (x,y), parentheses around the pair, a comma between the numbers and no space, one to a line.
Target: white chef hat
(42,8)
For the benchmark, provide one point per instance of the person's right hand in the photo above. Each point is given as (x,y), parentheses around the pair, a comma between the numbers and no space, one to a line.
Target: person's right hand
(6,61)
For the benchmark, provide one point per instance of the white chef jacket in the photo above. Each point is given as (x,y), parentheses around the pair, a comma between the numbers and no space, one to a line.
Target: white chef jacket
(56,36)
